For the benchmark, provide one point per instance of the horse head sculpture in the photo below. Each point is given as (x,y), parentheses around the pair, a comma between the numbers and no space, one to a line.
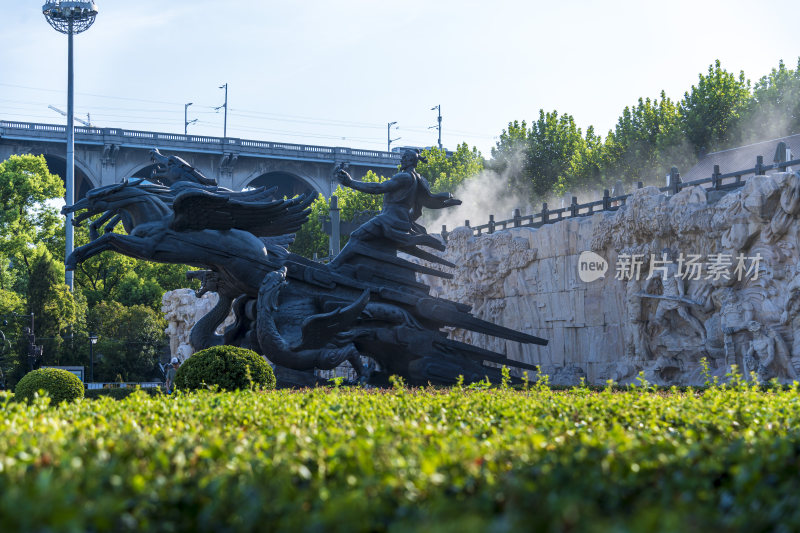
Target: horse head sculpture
(172,169)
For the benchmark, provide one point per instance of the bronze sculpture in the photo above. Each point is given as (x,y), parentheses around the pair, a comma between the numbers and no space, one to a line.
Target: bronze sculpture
(298,313)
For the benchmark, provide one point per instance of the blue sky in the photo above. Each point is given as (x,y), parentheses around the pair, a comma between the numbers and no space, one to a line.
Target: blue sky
(334,73)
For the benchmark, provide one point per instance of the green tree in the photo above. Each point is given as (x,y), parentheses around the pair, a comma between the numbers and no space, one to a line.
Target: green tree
(312,239)
(552,143)
(130,341)
(585,165)
(446,173)
(711,111)
(25,218)
(51,302)
(11,305)
(774,109)
(644,143)
(508,155)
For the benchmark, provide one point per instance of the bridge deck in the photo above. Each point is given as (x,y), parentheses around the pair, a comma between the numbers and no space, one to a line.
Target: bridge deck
(30,131)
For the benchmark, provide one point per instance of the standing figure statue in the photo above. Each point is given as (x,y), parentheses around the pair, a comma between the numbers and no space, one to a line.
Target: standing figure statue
(404,196)
(791,317)
(736,315)
(636,346)
(673,299)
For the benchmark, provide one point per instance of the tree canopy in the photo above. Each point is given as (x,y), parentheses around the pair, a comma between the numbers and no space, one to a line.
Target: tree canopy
(722,110)
(25,216)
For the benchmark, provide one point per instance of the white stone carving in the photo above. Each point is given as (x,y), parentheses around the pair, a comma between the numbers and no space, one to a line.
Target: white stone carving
(182,309)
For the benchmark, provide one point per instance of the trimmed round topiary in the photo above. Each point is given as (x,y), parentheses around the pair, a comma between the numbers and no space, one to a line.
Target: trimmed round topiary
(228,367)
(62,386)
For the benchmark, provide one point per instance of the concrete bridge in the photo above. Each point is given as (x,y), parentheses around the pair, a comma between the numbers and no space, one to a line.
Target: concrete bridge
(104,156)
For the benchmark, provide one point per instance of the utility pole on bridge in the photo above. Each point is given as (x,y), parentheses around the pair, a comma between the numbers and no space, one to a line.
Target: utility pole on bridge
(186,120)
(389,139)
(439,125)
(225,105)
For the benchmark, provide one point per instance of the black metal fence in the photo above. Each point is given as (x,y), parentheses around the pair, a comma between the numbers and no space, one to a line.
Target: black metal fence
(717,182)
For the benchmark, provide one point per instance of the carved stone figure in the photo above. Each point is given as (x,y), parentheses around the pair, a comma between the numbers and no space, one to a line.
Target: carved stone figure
(183,309)
(767,354)
(673,298)
(791,317)
(735,316)
(636,328)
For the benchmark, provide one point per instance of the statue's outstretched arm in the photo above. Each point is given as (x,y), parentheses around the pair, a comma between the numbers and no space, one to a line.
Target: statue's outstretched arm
(397,182)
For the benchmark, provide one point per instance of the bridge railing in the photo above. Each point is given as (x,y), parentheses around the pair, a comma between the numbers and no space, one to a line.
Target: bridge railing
(153,139)
(717,181)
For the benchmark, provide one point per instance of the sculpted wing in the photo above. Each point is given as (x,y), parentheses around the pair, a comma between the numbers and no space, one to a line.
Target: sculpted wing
(249,211)
(319,329)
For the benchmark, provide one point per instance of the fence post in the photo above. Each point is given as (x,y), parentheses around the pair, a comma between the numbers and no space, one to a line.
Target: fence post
(491,223)
(573,208)
(639,185)
(783,154)
(715,181)
(606,200)
(675,180)
(466,223)
(517,218)
(760,165)
(444,232)
(544,213)
(780,154)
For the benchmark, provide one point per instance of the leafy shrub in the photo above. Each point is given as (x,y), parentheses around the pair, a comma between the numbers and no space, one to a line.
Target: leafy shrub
(228,367)
(62,386)
(352,459)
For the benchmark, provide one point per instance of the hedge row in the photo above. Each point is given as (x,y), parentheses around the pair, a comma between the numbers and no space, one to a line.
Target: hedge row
(405,460)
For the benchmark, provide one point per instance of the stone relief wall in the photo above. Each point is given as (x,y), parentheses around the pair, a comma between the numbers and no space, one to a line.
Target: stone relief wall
(718,278)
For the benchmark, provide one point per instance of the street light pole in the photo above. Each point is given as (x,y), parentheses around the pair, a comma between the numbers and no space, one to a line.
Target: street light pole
(225,105)
(186,120)
(389,139)
(70,17)
(439,123)
(70,185)
(92,341)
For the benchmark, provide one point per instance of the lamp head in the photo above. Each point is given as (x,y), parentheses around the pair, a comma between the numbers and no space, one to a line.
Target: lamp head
(68,15)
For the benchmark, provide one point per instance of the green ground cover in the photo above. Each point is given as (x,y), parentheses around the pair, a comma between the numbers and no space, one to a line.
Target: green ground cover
(330,459)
